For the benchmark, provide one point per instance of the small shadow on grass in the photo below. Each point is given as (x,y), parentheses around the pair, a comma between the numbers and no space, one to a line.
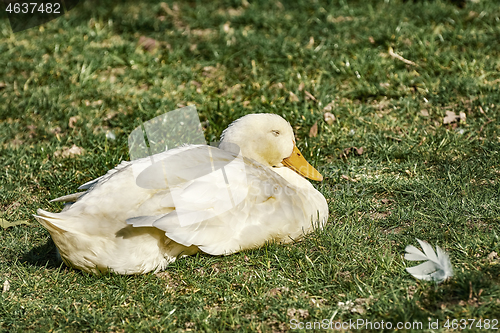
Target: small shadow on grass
(43,255)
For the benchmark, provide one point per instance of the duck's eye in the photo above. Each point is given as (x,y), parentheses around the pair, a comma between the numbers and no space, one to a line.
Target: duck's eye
(275,132)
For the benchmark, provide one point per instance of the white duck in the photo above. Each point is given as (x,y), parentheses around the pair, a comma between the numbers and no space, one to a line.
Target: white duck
(130,220)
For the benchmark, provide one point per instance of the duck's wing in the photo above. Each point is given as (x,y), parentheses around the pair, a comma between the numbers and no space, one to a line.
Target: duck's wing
(121,193)
(240,204)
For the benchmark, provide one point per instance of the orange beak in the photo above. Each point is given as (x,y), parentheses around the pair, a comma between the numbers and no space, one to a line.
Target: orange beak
(298,163)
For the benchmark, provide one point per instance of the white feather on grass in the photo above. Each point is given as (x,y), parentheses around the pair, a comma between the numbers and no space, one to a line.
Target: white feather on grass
(437,267)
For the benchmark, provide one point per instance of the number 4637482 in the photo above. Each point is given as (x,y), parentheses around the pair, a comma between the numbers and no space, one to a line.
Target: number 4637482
(472,323)
(33,7)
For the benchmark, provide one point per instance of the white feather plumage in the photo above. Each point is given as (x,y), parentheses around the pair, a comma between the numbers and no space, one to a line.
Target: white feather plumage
(437,267)
(129,222)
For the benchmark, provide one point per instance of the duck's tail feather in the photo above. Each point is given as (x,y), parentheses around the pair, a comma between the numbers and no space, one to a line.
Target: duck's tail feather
(49,221)
(69,198)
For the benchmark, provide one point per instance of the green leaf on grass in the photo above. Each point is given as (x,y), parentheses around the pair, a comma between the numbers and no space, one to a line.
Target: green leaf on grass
(5,224)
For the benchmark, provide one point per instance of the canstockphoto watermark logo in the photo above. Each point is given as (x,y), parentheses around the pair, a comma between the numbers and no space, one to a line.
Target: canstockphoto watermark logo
(25,14)
(189,174)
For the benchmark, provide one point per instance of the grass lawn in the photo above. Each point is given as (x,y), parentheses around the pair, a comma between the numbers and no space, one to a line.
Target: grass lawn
(390,72)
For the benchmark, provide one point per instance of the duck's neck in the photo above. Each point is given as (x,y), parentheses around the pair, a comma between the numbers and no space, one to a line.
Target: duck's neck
(248,151)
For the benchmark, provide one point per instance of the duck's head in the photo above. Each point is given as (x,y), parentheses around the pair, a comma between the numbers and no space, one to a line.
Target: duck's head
(268,139)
